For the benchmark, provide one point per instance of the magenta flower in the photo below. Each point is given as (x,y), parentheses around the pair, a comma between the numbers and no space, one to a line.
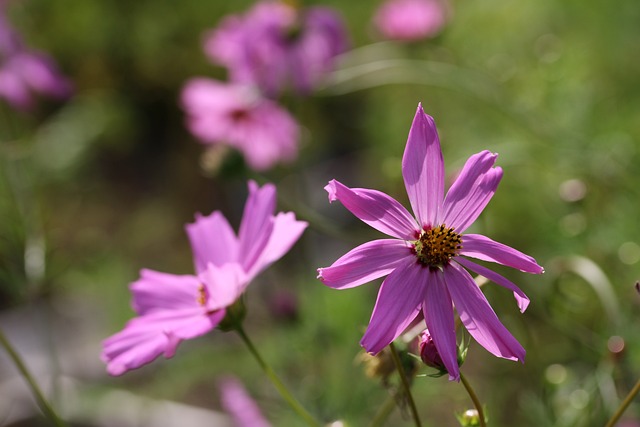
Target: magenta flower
(424,261)
(410,20)
(238,116)
(237,403)
(172,308)
(275,45)
(24,72)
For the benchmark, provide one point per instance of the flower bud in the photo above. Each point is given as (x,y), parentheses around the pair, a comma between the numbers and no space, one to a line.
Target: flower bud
(428,351)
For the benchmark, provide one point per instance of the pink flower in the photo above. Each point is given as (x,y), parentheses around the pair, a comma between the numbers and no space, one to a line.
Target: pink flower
(275,45)
(237,403)
(410,19)
(238,116)
(424,261)
(172,308)
(24,72)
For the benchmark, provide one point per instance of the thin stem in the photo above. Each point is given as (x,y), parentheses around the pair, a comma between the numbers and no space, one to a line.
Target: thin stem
(384,412)
(282,389)
(623,406)
(405,384)
(44,405)
(474,398)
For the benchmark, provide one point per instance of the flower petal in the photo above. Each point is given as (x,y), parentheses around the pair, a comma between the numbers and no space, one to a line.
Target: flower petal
(438,314)
(223,285)
(478,317)
(286,232)
(423,169)
(482,247)
(521,298)
(257,222)
(212,241)
(156,291)
(365,263)
(471,191)
(399,301)
(376,209)
(145,338)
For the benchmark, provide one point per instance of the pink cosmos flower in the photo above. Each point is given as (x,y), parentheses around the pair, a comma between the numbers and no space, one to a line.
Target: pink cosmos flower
(410,20)
(426,259)
(172,308)
(24,72)
(275,45)
(238,116)
(237,403)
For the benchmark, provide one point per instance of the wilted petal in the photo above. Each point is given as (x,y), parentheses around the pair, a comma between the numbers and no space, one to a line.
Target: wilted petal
(423,169)
(472,191)
(521,298)
(155,291)
(438,314)
(482,247)
(286,232)
(399,302)
(365,263)
(145,338)
(376,209)
(212,241)
(478,317)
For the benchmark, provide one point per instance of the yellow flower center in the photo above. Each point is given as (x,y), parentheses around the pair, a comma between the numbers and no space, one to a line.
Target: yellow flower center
(436,246)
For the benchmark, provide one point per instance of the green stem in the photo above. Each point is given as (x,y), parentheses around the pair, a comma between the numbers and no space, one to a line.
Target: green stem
(37,393)
(282,389)
(405,384)
(384,412)
(474,398)
(623,406)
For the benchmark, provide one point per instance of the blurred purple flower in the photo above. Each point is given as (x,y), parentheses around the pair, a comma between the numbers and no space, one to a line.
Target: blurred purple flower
(425,271)
(25,72)
(410,20)
(275,45)
(238,116)
(172,308)
(237,403)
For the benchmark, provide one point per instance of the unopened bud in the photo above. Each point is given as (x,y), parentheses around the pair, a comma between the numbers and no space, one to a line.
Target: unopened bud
(428,351)
(469,418)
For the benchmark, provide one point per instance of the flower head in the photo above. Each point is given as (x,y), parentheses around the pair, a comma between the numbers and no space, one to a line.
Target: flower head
(426,261)
(410,20)
(238,116)
(25,72)
(172,308)
(275,45)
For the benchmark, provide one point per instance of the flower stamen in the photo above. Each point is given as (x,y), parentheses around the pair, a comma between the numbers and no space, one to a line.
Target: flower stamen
(436,246)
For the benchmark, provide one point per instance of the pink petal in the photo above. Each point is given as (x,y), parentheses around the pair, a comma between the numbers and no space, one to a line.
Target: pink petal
(212,241)
(365,263)
(472,191)
(145,338)
(286,232)
(257,223)
(223,285)
(376,209)
(478,317)
(236,402)
(399,301)
(521,298)
(423,169)
(438,314)
(482,247)
(156,291)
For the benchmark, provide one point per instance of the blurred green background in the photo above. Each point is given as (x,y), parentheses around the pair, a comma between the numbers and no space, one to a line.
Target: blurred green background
(96,188)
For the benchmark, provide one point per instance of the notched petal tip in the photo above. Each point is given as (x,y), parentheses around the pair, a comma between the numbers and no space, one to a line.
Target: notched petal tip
(330,188)
(319,276)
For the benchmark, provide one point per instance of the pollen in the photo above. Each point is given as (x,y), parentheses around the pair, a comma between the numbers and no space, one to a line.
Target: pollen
(436,246)
(202,295)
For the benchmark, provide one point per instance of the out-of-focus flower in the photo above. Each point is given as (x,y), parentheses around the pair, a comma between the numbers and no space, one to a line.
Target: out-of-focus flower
(238,116)
(25,72)
(173,308)
(275,45)
(423,263)
(410,20)
(239,405)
